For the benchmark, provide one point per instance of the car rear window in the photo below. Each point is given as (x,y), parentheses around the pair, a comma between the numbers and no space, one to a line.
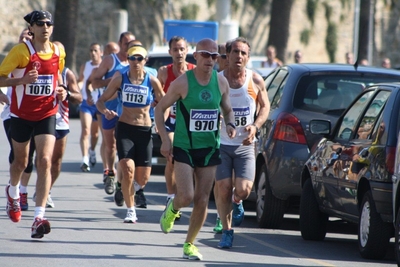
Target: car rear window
(332,93)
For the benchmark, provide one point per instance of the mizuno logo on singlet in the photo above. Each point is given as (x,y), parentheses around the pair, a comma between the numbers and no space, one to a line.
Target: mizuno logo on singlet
(204,116)
(44,81)
(136,89)
(241,111)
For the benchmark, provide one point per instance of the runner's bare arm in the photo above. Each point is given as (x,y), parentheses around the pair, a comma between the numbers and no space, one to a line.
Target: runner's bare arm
(226,106)
(110,91)
(105,66)
(75,95)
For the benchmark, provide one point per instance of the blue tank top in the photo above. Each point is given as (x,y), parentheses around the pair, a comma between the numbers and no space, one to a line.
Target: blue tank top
(135,95)
(117,66)
(150,71)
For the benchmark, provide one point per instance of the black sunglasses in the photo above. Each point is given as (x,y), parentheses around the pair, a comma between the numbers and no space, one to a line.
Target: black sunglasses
(207,54)
(133,58)
(41,23)
(223,56)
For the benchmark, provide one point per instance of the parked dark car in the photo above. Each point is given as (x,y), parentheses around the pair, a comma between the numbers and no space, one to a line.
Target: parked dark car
(299,93)
(396,201)
(349,175)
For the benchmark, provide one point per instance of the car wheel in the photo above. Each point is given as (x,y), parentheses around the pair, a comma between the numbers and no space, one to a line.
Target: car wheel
(270,210)
(312,221)
(397,238)
(373,233)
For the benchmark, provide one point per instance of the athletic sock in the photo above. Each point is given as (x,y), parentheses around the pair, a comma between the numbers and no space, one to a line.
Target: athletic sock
(13,191)
(23,189)
(39,212)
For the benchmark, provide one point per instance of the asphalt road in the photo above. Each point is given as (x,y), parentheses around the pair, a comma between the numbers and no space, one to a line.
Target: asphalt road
(88,229)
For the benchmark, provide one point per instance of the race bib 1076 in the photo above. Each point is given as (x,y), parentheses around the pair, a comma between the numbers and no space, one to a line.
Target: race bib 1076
(43,86)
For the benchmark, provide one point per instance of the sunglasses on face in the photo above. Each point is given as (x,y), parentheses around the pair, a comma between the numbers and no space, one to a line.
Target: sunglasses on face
(133,58)
(41,23)
(223,56)
(207,54)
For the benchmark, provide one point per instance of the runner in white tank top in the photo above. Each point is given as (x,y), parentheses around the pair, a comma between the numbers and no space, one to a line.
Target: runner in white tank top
(235,174)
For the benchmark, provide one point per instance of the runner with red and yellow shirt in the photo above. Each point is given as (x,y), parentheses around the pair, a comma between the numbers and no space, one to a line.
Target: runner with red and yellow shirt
(34,67)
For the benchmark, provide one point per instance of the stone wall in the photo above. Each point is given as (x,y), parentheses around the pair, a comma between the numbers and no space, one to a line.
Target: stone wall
(146,22)
(12,22)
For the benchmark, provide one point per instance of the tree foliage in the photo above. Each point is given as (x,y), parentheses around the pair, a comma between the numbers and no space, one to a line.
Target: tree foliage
(311,8)
(66,16)
(258,4)
(331,41)
(305,36)
(189,12)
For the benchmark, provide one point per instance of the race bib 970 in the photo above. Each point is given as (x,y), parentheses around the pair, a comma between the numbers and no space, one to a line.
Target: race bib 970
(43,86)
(203,120)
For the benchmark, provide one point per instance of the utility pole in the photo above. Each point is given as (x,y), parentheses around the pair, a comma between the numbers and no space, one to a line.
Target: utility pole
(371,31)
(228,29)
(119,24)
(356,28)
(169,10)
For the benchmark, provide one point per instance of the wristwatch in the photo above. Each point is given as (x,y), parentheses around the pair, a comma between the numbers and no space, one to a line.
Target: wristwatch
(231,124)
(66,89)
(257,129)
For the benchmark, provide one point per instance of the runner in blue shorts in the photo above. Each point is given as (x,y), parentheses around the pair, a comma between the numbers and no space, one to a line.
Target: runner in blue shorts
(140,199)
(88,110)
(101,78)
(133,132)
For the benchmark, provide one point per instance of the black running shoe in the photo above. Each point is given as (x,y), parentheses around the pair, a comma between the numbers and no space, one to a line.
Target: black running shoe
(85,167)
(118,197)
(109,183)
(140,199)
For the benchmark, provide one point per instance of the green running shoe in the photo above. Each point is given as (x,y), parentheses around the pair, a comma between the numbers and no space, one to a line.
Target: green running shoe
(218,226)
(191,252)
(168,217)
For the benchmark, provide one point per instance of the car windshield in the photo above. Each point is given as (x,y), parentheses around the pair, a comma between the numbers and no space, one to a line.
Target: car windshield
(333,93)
(157,61)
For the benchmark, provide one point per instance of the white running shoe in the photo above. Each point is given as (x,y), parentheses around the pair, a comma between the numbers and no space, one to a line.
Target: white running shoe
(49,202)
(130,217)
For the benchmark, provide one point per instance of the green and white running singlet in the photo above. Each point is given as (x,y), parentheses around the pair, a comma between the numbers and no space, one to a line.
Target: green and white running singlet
(198,115)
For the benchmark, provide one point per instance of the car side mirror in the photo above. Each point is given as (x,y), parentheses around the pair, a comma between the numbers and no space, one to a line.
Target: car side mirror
(322,127)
